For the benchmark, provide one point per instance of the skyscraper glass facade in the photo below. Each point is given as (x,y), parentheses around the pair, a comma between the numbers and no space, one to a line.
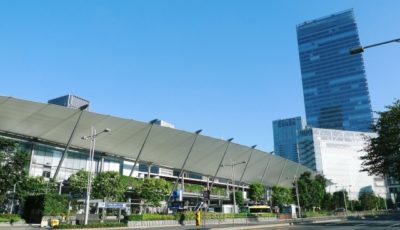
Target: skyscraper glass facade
(285,137)
(335,87)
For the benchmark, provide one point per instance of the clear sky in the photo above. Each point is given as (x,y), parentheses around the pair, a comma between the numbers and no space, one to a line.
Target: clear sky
(227,67)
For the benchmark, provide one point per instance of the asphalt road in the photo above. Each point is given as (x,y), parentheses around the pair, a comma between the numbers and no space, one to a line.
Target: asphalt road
(385,222)
(359,225)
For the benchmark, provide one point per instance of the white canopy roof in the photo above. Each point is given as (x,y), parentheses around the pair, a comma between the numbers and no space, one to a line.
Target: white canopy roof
(164,147)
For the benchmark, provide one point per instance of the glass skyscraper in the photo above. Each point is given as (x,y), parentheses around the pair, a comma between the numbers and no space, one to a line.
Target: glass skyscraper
(285,137)
(335,87)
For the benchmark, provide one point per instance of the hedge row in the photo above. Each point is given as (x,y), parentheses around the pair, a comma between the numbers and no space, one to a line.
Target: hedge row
(149,216)
(316,214)
(191,216)
(92,225)
(9,217)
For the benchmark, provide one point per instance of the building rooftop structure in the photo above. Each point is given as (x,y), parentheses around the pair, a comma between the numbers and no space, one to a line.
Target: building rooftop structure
(70,101)
(158,145)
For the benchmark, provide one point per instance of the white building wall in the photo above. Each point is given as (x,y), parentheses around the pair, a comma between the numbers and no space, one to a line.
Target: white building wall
(338,155)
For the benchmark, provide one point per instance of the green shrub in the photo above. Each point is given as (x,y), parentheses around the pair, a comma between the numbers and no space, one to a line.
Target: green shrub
(92,225)
(135,217)
(218,191)
(150,216)
(9,217)
(37,206)
(264,214)
(191,216)
(315,214)
(187,216)
(194,188)
(55,205)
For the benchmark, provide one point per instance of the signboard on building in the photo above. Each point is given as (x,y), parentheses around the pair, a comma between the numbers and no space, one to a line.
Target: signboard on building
(111,205)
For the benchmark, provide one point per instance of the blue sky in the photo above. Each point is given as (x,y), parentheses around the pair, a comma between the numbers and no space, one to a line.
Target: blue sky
(227,67)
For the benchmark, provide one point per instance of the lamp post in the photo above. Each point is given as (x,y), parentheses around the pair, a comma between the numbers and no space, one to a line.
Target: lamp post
(297,194)
(92,139)
(360,49)
(233,164)
(351,203)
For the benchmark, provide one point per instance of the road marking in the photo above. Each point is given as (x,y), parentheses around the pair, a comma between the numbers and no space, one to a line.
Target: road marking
(394,225)
(364,224)
(327,221)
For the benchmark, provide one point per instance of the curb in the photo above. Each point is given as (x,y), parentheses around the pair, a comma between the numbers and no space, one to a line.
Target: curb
(252,227)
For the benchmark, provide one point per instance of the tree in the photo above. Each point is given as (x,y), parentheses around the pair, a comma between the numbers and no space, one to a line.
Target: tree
(77,182)
(109,186)
(281,196)
(256,192)
(337,199)
(31,186)
(153,190)
(311,191)
(304,184)
(370,201)
(317,191)
(327,203)
(383,151)
(13,166)
(238,197)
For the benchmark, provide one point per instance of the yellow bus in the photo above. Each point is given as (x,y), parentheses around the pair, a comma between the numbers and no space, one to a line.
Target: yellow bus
(260,209)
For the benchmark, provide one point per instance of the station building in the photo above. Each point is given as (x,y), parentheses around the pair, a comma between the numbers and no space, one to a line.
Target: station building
(45,131)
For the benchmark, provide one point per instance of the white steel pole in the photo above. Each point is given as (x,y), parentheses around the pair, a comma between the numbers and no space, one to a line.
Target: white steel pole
(233,187)
(297,195)
(89,185)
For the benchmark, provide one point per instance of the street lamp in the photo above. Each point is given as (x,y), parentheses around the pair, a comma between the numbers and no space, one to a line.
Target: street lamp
(360,49)
(297,193)
(233,164)
(92,139)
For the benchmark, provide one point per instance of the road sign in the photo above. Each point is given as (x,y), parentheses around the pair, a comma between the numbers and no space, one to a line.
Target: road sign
(115,205)
(177,195)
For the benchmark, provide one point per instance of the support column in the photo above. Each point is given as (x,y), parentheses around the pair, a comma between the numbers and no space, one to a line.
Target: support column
(227,188)
(101,164)
(219,165)
(65,153)
(148,170)
(183,182)
(265,170)
(247,163)
(142,147)
(31,160)
(283,168)
(197,133)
